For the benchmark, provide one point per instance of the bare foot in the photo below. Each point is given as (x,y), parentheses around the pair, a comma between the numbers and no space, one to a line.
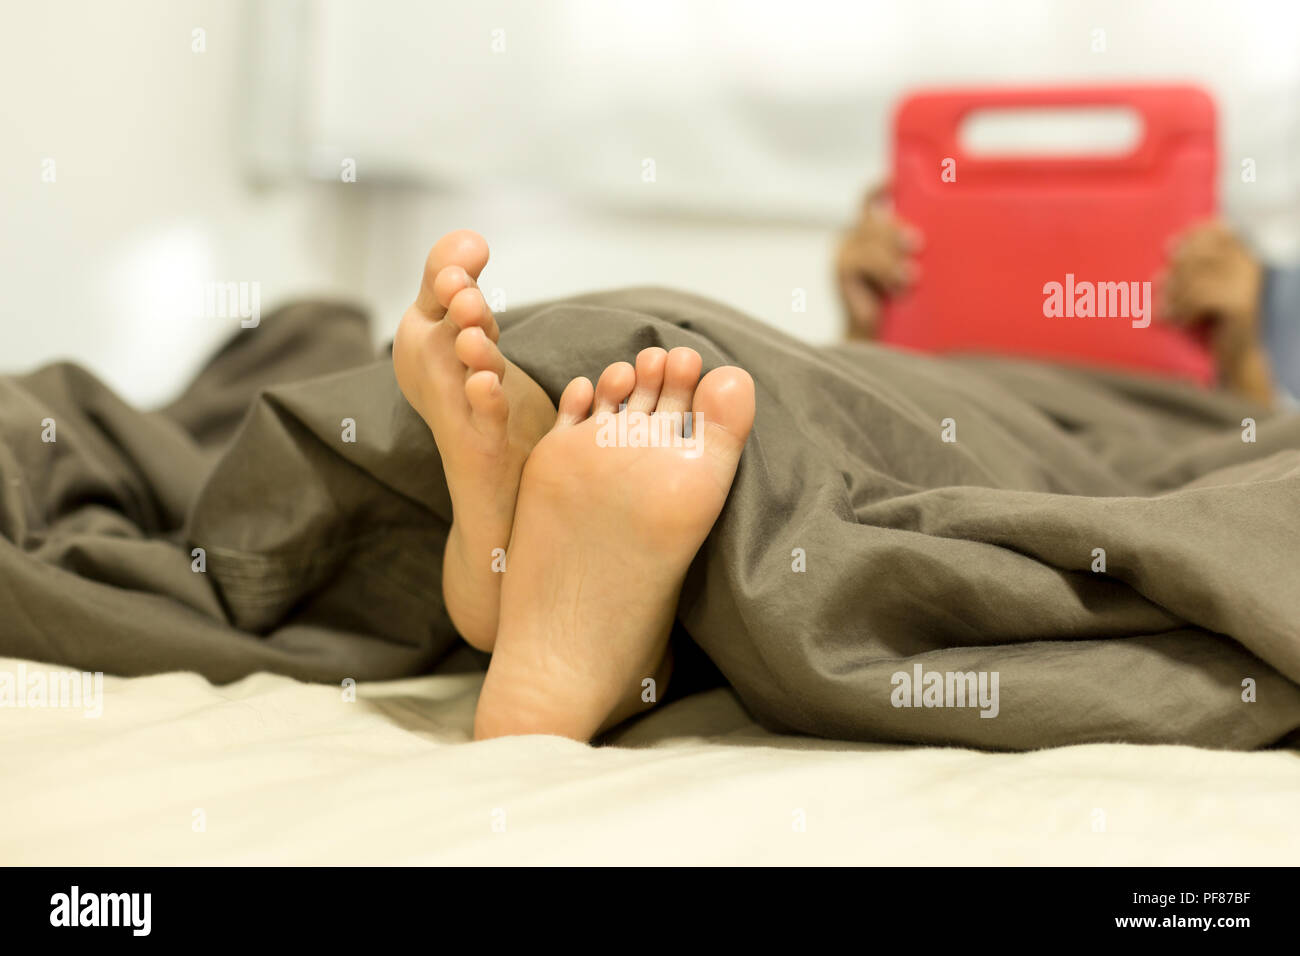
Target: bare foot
(612,509)
(486,415)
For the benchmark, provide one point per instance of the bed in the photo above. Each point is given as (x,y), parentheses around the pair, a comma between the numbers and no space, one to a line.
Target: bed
(270,770)
(199,553)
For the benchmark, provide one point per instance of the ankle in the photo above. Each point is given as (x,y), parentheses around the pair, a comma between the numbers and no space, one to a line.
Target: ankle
(471,591)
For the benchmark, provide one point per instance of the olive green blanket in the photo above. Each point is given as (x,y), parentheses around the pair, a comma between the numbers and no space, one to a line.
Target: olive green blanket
(970,551)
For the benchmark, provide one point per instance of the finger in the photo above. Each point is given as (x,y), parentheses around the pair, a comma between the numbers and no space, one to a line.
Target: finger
(1202,238)
(879,195)
(910,238)
(864,307)
(887,228)
(1194,300)
(879,263)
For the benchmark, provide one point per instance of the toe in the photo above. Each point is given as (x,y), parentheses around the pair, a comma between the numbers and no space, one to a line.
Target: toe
(448,284)
(725,400)
(681,375)
(614,386)
(468,309)
(479,353)
(649,380)
(487,402)
(464,248)
(575,402)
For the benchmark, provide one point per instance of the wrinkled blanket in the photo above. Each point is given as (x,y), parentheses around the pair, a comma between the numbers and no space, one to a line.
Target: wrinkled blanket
(982,552)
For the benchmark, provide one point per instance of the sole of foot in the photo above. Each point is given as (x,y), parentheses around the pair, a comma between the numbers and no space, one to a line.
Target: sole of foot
(486,414)
(614,503)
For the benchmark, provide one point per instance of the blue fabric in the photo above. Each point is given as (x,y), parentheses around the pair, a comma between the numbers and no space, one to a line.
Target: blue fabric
(1280,322)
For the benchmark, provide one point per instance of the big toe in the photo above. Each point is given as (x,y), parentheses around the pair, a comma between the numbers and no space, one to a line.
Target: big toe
(724,400)
(460,247)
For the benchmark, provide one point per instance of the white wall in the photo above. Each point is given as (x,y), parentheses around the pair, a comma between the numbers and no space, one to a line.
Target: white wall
(149,199)
(753,108)
(765,119)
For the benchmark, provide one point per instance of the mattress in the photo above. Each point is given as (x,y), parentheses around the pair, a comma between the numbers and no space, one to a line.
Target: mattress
(270,770)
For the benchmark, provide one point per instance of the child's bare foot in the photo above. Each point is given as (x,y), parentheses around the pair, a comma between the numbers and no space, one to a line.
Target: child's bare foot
(485,413)
(604,532)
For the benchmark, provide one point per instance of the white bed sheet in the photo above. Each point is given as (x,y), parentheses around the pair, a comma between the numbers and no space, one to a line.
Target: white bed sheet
(283,772)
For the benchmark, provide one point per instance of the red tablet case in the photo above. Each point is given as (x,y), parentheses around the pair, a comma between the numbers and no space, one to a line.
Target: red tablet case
(1009,225)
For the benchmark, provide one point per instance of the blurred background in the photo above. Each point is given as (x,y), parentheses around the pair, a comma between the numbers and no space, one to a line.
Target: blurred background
(153,148)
